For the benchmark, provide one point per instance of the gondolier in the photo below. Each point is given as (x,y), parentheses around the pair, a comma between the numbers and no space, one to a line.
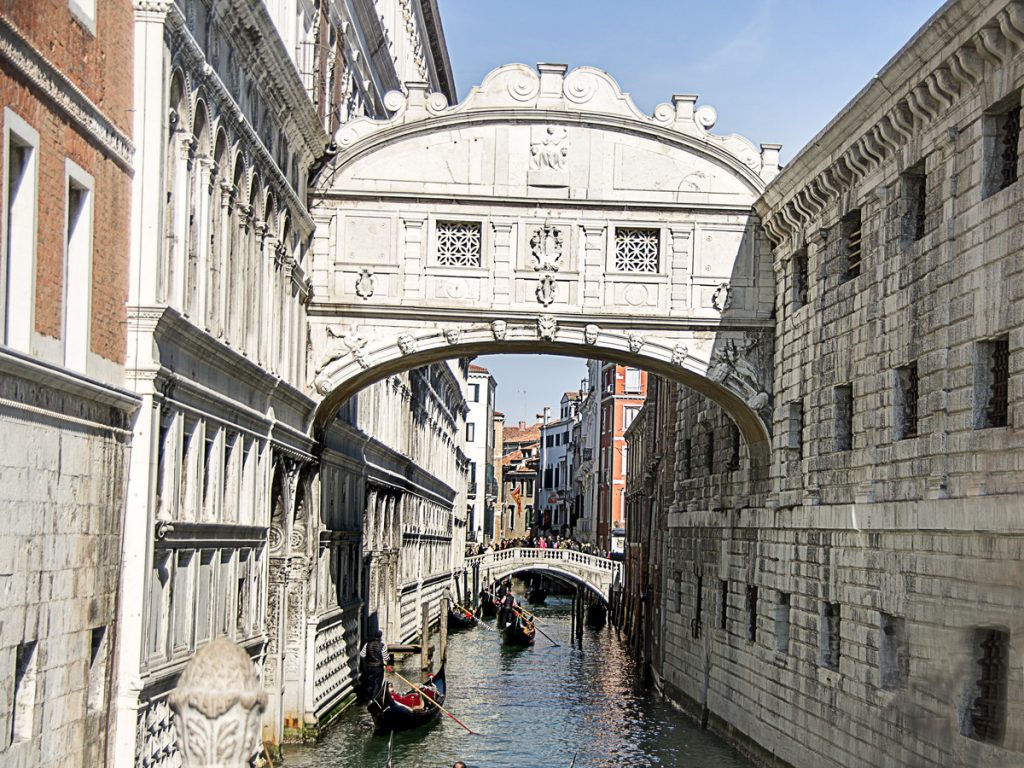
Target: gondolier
(374,654)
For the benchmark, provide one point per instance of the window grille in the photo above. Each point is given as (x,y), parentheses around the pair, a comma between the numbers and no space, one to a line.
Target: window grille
(1000,374)
(799,278)
(697,608)
(1009,137)
(751,612)
(907,379)
(986,718)
(843,399)
(734,449)
(709,451)
(915,202)
(893,655)
(723,604)
(829,635)
(637,250)
(458,244)
(852,244)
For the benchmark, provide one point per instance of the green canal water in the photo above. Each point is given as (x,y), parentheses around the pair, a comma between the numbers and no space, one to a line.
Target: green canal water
(534,708)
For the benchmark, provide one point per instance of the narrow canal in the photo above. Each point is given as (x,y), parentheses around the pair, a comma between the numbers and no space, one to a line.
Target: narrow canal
(534,708)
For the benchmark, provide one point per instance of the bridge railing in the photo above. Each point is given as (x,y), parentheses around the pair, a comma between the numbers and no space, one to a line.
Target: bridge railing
(519,554)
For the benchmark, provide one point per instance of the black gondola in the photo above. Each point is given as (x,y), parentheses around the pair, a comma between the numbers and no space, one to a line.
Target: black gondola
(597,614)
(400,712)
(488,608)
(537,596)
(519,632)
(460,618)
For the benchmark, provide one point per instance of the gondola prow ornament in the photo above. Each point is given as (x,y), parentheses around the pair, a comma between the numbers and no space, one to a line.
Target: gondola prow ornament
(218,707)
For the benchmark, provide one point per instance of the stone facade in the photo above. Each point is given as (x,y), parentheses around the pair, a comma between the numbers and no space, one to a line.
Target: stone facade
(66,154)
(480,440)
(861,607)
(236,104)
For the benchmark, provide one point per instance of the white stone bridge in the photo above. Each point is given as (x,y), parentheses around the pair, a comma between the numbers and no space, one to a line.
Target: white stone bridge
(545,214)
(597,574)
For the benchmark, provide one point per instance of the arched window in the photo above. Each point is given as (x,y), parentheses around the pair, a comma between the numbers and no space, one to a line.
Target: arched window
(173,166)
(195,210)
(219,235)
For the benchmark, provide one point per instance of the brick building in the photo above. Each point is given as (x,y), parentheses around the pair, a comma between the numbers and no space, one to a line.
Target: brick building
(67,155)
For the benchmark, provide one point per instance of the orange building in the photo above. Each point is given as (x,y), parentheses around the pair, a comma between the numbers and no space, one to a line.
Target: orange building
(623,391)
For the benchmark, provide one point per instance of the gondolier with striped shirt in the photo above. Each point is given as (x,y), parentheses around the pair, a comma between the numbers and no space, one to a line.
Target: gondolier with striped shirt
(374,654)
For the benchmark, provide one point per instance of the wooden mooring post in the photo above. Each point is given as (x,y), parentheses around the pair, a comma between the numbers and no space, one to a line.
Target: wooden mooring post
(443,628)
(425,638)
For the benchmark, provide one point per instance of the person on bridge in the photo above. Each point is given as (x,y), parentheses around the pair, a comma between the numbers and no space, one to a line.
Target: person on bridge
(374,654)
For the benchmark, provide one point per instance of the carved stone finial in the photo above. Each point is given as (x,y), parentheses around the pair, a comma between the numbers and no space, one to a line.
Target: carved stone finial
(590,333)
(218,706)
(499,328)
(547,326)
(546,290)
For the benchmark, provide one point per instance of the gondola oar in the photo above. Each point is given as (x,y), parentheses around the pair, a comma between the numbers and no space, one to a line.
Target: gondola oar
(550,639)
(574,754)
(426,698)
(391,738)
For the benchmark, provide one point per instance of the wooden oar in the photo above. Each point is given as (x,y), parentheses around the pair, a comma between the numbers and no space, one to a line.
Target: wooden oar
(553,643)
(422,693)
(574,754)
(391,737)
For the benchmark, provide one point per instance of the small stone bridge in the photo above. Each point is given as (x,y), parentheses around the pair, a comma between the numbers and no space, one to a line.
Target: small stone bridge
(597,574)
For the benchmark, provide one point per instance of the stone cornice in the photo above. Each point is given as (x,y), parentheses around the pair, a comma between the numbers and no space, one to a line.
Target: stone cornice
(56,88)
(896,106)
(230,111)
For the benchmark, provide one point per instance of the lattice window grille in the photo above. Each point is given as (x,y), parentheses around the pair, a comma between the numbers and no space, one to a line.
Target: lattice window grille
(637,250)
(458,244)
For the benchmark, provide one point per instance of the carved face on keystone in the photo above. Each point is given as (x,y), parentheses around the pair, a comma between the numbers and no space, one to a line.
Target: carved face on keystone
(590,333)
(452,335)
(406,343)
(499,328)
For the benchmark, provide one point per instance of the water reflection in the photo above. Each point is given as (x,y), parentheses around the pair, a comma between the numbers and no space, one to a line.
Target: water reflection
(534,707)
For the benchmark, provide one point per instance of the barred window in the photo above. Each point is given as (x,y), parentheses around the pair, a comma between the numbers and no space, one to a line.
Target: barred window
(915,202)
(637,250)
(991,383)
(843,401)
(829,634)
(799,279)
(851,231)
(458,243)
(985,718)
(1001,130)
(906,401)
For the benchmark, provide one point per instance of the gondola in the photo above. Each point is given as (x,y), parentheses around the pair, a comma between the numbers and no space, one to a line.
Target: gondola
(537,596)
(597,614)
(400,712)
(488,608)
(460,618)
(519,632)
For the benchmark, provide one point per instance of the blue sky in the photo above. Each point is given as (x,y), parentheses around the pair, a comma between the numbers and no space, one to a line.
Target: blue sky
(776,71)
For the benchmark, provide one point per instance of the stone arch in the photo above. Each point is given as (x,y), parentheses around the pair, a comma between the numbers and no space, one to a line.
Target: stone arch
(564,577)
(356,362)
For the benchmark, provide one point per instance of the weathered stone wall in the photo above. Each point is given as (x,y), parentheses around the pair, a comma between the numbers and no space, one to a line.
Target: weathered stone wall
(861,612)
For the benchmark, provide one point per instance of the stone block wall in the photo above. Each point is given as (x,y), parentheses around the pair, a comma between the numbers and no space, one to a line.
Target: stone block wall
(865,611)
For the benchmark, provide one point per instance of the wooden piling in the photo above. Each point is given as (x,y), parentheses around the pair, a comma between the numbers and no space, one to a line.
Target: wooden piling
(425,639)
(443,628)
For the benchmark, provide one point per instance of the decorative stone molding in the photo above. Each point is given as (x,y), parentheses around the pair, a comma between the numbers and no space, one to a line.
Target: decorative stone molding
(996,41)
(546,290)
(63,94)
(218,706)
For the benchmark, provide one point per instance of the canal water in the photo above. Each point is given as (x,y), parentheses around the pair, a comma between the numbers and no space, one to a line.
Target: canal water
(535,707)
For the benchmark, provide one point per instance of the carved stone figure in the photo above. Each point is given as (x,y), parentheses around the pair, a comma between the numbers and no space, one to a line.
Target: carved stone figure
(547,326)
(218,705)
(546,290)
(340,343)
(721,299)
(549,153)
(546,247)
(636,342)
(590,333)
(499,328)
(452,335)
(679,353)
(365,284)
(407,344)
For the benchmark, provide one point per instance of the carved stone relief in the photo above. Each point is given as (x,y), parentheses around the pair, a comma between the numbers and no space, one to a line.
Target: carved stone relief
(546,247)
(546,290)
(218,705)
(407,344)
(365,284)
(452,335)
(550,152)
(636,342)
(721,299)
(679,353)
(499,328)
(590,333)
(547,326)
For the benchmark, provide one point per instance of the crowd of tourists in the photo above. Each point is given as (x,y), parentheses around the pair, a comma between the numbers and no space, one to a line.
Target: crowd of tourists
(539,541)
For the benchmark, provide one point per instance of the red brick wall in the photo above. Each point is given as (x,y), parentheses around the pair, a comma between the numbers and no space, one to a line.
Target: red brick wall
(102,68)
